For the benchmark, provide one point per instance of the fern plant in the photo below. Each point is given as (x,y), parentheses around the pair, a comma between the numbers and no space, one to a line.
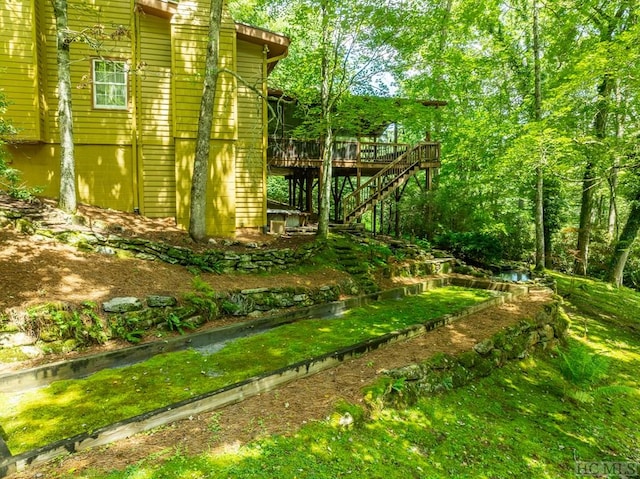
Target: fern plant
(584,369)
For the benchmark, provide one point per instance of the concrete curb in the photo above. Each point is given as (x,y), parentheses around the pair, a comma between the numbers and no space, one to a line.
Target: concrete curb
(256,385)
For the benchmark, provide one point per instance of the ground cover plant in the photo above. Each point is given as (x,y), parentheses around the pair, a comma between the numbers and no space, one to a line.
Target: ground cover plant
(522,421)
(66,408)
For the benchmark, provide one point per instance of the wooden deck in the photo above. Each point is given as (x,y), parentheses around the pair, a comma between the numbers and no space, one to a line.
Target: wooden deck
(349,158)
(365,174)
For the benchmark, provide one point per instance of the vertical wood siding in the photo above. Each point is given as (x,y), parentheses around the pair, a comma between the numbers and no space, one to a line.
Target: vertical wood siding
(155,142)
(190,27)
(18,67)
(250,165)
(91,126)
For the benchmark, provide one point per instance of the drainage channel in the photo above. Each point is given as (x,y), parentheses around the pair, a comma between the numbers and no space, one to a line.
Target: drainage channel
(237,392)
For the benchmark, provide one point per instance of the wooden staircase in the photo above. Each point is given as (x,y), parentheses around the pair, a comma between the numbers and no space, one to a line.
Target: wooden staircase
(388,179)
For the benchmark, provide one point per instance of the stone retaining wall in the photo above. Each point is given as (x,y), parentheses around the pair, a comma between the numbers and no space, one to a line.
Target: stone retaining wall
(210,260)
(404,386)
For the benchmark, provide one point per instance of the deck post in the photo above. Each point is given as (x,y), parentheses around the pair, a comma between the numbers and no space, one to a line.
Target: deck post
(375,216)
(398,195)
(309,191)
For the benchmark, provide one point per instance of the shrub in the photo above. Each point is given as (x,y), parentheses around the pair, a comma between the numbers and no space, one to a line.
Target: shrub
(472,246)
(10,178)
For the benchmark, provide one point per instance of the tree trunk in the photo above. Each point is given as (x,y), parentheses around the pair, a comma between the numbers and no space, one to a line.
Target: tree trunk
(612,227)
(325,195)
(198,209)
(623,245)
(589,180)
(327,153)
(586,207)
(539,216)
(68,199)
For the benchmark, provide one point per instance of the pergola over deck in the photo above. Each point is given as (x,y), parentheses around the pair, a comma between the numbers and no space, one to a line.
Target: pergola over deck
(364,172)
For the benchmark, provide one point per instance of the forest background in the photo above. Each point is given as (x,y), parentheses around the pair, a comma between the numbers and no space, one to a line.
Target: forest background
(540,129)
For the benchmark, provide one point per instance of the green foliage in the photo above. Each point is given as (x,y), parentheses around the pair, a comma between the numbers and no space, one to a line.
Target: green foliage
(581,366)
(204,299)
(510,424)
(238,305)
(106,397)
(127,327)
(52,322)
(472,246)
(10,178)
(278,189)
(176,323)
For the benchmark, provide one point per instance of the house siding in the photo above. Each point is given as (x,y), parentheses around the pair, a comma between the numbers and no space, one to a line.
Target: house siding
(19,67)
(139,157)
(155,144)
(190,27)
(250,163)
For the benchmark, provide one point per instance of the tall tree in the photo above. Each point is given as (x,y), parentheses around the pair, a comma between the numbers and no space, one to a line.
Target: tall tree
(623,246)
(68,197)
(339,48)
(328,46)
(539,216)
(200,177)
(610,20)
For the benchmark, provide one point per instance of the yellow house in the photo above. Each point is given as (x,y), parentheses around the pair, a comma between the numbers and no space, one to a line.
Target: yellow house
(136,70)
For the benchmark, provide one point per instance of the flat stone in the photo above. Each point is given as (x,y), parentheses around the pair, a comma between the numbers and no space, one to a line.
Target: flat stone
(12,340)
(158,301)
(254,290)
(32,351)
(484,347)
(108,250)
(122,305)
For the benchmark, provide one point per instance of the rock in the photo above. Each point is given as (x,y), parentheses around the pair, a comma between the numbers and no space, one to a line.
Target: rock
(25,226)
(254,290)
(212,241)
(12,340)
(158,301)
(105,250)
(194,321)
(252,245)
(547,333)
(122,305)
(31,351)
(484,347)
(300,297)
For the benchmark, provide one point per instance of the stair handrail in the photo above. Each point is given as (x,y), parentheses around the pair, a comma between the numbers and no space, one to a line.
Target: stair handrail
(355,200)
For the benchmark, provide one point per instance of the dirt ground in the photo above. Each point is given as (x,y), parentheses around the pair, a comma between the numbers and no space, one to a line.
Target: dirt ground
(39,271)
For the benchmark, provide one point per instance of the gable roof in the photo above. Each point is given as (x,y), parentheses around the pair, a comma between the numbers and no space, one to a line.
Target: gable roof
(277,45)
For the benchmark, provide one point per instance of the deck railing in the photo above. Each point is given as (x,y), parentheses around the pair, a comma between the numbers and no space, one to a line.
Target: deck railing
(388,179)
(289,150)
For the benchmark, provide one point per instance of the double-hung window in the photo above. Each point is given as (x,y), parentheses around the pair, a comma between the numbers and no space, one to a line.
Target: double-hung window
(110,84)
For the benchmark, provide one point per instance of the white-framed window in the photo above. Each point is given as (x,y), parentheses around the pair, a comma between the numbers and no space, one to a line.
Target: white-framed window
(110,84)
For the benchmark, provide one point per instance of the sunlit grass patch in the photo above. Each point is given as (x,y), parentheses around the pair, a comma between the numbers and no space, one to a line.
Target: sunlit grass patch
(67,408)
(517,422)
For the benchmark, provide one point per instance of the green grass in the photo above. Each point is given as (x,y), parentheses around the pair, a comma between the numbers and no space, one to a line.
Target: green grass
(67,408)
(601,301)
(519,422)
